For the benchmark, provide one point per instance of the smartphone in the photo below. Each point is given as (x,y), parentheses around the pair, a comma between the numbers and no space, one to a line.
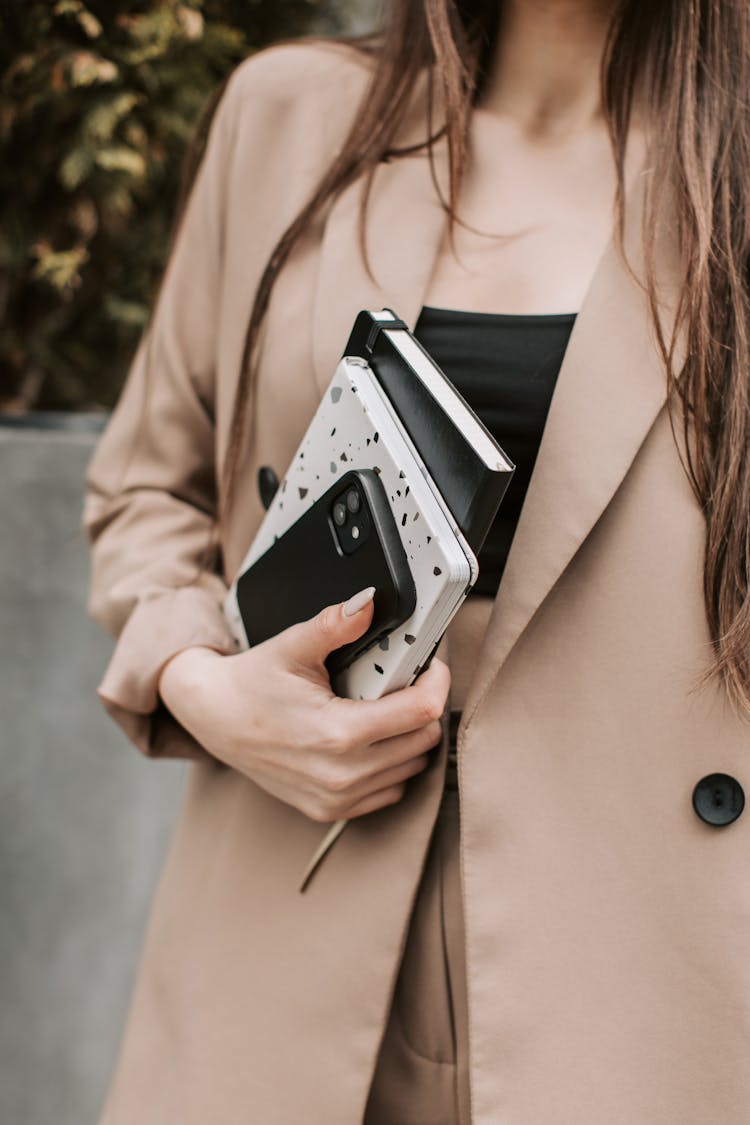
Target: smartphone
(345,541)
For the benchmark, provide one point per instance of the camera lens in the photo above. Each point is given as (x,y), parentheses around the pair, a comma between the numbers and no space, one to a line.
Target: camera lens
(352,500)
(339,513)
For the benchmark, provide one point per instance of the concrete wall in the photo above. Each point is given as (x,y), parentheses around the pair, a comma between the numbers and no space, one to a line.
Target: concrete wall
(84,818)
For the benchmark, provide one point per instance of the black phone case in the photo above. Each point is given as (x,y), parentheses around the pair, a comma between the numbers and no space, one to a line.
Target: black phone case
(305,569)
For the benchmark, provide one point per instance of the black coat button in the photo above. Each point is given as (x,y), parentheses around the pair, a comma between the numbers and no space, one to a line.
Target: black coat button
(718,799)
(268,483)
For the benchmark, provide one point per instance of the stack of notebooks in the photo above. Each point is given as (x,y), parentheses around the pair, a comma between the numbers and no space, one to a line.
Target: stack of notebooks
(395,484)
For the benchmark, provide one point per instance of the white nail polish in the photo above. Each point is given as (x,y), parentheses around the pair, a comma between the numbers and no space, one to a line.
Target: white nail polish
(358,601)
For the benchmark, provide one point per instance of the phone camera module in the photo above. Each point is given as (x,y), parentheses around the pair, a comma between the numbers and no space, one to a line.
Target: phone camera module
(350,519)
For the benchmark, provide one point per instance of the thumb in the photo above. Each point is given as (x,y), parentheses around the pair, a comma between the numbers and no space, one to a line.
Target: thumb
(311,641)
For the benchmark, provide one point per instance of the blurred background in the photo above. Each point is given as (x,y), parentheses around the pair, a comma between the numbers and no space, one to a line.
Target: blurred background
(98,100)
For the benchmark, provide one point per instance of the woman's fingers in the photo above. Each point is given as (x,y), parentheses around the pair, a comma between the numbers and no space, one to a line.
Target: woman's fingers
(367,721)
(340,798)
(393,776)
(265,714)
(347,780)
(389,752)
(310,642)
(377,800)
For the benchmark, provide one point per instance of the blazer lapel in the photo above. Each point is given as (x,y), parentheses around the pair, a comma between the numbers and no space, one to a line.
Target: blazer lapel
(610,388)
(405,223)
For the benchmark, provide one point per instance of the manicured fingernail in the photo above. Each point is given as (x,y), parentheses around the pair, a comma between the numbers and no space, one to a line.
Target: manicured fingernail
(358,601)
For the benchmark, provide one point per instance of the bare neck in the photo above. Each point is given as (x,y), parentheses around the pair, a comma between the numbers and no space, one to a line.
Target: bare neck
(545,72)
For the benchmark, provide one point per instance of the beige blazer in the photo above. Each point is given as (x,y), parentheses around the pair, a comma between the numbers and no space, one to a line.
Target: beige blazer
(607,923)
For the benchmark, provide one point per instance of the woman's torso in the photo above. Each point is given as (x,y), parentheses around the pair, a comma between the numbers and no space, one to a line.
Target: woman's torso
(591,888)
(505,192)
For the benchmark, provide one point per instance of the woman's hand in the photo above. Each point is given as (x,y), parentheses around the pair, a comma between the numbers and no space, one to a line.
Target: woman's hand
(270,713)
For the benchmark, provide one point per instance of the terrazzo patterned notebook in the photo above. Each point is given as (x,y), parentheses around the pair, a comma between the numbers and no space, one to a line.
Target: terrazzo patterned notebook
(355,426)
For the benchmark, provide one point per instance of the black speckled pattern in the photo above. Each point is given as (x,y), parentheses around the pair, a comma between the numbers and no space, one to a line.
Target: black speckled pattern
(341,435)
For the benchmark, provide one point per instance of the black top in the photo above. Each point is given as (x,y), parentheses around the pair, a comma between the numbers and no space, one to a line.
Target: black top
(505,366)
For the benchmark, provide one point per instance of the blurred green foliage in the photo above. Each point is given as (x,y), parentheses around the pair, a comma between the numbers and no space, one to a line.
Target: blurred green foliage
(97,102)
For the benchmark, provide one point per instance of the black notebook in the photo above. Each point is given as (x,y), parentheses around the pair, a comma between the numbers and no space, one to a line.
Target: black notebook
(465,461)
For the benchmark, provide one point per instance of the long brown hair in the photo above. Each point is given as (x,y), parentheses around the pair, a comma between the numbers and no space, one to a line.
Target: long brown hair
(689,60)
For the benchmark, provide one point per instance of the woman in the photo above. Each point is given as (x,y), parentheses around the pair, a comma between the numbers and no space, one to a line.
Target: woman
(586,960)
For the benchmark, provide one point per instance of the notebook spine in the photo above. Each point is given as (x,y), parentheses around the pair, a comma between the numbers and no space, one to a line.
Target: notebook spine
(469,487)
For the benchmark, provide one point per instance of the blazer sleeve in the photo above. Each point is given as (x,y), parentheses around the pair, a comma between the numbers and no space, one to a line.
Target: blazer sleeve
(150,487)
